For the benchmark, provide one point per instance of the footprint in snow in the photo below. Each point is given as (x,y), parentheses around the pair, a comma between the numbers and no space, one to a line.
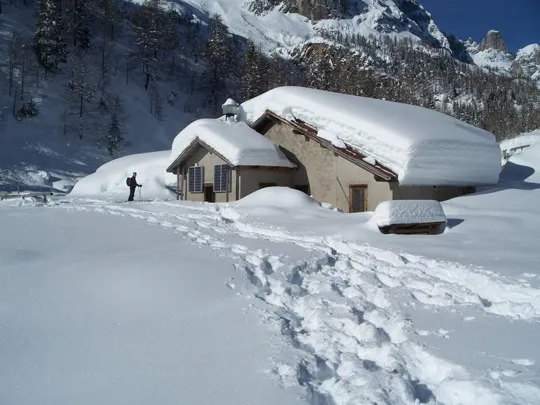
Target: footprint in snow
(497,374)
(523,362)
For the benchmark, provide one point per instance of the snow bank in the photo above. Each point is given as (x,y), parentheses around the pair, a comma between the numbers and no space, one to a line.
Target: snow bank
(530,157)
(236,142)
(521,141)
(409,212)
(279,197)
(110,179)
(422,146)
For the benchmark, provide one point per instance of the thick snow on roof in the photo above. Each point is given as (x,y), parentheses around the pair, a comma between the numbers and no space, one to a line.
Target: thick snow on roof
(235,141)
(422,146)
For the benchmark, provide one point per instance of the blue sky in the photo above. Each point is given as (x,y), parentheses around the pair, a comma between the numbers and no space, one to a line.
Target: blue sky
(518,20)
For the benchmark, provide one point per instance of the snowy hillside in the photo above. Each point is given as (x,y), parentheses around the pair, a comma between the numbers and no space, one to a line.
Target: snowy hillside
(45,151)
(116,95)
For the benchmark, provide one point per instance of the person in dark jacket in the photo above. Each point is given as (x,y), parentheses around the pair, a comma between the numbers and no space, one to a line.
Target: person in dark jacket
(133,185)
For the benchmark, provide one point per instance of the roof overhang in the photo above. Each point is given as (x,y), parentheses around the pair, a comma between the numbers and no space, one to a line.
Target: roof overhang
(349,153)
(193,146)
(197,143)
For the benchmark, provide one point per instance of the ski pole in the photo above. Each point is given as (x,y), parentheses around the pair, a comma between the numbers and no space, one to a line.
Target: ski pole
(140,197)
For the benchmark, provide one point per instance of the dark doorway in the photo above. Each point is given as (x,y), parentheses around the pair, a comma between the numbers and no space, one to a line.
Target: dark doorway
(358,198)
(209,195)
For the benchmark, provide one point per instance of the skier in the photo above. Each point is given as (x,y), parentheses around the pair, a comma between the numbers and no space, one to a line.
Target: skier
(132,183)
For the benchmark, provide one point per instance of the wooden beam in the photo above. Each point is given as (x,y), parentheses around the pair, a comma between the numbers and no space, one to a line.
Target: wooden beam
(266,168)
(178,183)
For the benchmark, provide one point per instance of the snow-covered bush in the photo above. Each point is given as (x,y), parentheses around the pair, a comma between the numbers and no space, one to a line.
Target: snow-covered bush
(27,110)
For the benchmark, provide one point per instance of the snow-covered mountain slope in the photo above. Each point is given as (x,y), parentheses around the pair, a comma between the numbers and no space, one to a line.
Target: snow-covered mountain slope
(44,152)
(528,61)
(493,53)
(283,25)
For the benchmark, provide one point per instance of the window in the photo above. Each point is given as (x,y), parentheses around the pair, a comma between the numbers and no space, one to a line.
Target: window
(221,178)
(358,198)
(196,179)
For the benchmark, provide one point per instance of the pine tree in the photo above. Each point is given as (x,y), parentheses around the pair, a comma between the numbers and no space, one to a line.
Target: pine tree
(81,93)
(171,41)
(109,16)
(79,20)
(149,32)
(49,38)
(253,74)
(217,53)
(114,137)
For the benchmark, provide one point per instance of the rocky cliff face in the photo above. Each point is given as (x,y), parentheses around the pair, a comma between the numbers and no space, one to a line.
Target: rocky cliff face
(406,18)
(492,52)
(493,40)
(384,16)
(527,62)
(319,9)
(313,9)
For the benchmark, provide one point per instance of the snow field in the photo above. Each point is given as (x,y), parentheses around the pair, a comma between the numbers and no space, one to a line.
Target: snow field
(345,308)
(128,315)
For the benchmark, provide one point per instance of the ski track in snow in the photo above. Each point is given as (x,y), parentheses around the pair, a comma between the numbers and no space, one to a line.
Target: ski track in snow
(343,308)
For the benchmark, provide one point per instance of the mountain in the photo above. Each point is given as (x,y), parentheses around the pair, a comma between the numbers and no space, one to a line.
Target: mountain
(493,53)
(104,78)
(282,26)
(406,17)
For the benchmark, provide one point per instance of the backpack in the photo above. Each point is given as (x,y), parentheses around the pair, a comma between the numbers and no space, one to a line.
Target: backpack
(128,179)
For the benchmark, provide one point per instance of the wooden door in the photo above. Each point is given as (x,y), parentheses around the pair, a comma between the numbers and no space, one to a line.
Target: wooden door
(358,198)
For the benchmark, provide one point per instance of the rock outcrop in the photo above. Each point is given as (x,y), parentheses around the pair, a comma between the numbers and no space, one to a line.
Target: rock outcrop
(494,40)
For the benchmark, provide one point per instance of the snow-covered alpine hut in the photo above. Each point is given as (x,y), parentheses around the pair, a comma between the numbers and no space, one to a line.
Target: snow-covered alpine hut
(219,161)
(356,152)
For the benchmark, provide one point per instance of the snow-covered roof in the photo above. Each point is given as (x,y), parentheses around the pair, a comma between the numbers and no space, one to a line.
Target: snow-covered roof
(422,146)
(235,141)
(230,101)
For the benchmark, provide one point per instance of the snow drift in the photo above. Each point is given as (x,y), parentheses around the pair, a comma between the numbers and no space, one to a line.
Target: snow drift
(422,146)
(109,180)
(280,197)
(513,146)
(235,141)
